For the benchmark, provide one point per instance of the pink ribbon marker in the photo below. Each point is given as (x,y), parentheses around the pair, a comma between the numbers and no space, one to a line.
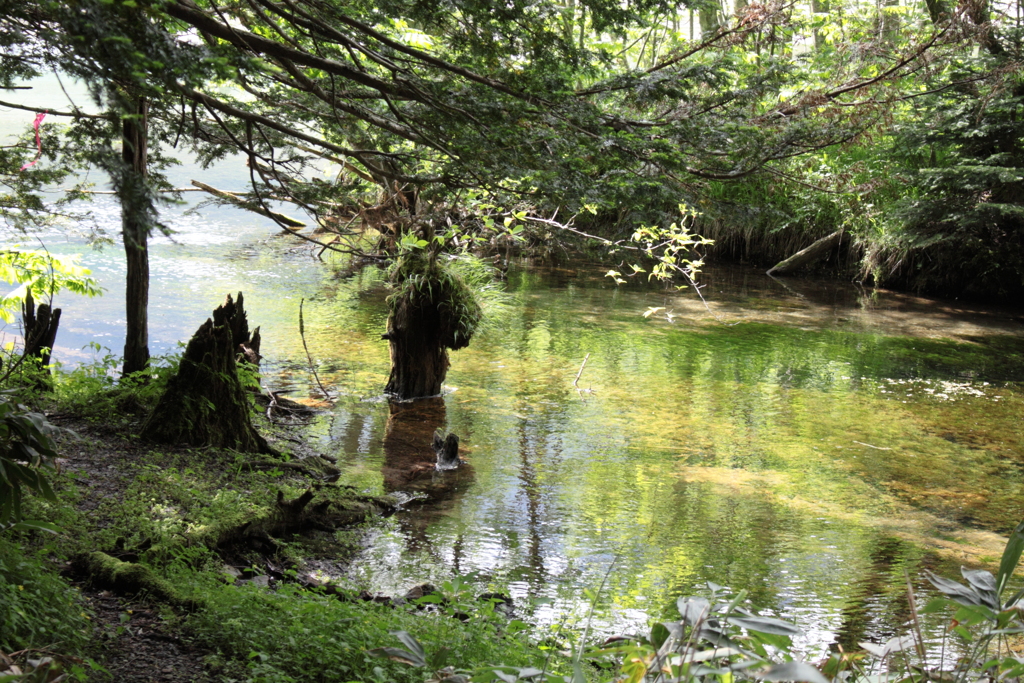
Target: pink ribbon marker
(39,144)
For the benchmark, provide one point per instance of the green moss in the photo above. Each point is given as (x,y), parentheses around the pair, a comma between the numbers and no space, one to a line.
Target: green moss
(130,578)
(432,283)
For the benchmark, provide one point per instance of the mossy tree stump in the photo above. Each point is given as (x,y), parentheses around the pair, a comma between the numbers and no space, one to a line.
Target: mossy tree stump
(432,311)
(205,403)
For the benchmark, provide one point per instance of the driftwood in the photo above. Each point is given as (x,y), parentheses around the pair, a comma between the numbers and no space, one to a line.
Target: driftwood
(812,253)
(205,403)
(40,323)
(239,200)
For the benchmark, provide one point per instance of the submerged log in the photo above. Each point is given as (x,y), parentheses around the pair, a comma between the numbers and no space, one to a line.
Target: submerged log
(812,253)
(205,403)
(40,324)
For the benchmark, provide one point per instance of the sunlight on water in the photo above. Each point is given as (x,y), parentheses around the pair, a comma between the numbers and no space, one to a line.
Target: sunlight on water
(808,442)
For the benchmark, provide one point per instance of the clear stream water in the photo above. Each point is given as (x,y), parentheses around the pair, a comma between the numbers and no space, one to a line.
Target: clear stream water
(807,441)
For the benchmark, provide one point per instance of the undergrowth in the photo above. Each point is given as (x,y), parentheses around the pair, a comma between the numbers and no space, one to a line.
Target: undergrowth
(293,634)
(38,609)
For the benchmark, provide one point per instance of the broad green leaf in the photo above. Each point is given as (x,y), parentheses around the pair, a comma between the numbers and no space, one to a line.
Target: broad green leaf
(765,625)
(1011,557)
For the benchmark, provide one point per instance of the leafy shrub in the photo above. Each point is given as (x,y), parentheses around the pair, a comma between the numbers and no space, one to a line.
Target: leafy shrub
(97,391)
(38,609)
(25,447)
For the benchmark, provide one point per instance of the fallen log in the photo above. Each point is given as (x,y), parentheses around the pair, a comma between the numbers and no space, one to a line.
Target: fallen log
(812,253)
(129,578)
(300,515)
(239,200)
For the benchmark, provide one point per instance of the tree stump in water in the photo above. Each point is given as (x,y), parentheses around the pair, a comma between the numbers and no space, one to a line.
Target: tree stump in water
(419,361)
(40,325)
(205,403)
(432,311)
(447,450)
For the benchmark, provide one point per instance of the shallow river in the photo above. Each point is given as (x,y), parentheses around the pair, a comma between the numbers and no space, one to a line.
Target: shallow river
(806,441)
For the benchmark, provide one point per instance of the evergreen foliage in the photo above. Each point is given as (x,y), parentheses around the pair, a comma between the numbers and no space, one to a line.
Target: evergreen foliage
(961,225)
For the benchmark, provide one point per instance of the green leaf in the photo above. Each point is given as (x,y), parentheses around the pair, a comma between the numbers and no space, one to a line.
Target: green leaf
(1011,557)
(414,645)
(398,655)
(765,625)
(659,634)
(958,592)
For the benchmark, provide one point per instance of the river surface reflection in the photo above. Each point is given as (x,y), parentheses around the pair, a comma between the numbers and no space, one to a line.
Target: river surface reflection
(808,442)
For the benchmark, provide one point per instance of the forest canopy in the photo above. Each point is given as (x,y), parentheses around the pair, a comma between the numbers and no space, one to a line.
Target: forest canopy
(894,123)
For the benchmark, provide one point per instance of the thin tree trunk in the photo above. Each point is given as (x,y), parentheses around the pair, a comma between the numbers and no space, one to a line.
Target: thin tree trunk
(709,19)
(135,234)
(819,7)
(889,26)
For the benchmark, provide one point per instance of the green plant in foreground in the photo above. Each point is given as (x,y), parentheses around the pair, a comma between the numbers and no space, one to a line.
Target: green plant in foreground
(38,609)
(719,641)
(715,640)
(25,448)
(982,618)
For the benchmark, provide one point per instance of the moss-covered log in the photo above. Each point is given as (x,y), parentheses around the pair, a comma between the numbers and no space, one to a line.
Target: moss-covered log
(129,578)
(205,403)
(300,515)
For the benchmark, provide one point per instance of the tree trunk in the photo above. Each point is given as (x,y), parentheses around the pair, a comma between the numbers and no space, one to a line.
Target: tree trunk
(135,234)
(205,403)
(889,22)
(938,11)
(819,7)
(709,19)
(419,361)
